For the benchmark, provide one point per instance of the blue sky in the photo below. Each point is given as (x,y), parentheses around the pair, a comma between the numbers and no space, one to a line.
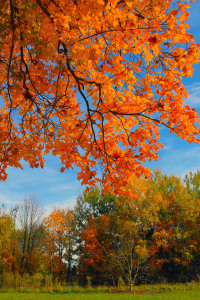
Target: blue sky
(53,188)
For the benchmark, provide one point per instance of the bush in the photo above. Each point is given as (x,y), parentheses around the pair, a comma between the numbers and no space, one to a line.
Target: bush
(121,284)
(48,281)
(36,280)
(88,282)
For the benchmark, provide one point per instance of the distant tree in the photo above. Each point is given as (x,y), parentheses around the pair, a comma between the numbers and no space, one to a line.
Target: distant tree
(130,258)
(30,234)
(60,243)
(134,219)
(6,239)
(176,235)
(192,182)
(96,245)
(94,214)
(93,203)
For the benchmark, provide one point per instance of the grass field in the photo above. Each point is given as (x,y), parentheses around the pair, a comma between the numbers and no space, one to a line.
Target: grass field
(186,295)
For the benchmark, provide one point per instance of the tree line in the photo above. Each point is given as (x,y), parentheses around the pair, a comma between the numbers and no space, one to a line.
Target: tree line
(151,237)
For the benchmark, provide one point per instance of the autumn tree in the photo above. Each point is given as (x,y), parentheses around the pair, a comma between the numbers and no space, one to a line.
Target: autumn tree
(95,214)
(134,219)
(130,258)
(92,254)
(93,203)
(175,238)
(6,240)
(192,182)
(79,79)
(60,243)
(70,243)
(30,234)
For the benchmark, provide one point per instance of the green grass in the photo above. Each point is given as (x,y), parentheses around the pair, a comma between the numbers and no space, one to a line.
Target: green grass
(144,292)
(187,295)
(142,289)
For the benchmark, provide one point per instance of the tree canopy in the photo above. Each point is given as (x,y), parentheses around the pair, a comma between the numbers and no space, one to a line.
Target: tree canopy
(92,81)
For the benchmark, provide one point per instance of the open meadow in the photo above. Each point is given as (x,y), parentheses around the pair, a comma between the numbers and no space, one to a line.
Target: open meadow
(144,292)
(181,295)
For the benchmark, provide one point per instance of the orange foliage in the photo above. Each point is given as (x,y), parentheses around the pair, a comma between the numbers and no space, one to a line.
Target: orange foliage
(10,256)
(96,247)
(92,252)
(59,234)
(175,235)
(81,78)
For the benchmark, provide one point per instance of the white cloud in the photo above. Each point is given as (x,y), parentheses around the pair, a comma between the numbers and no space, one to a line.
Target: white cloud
(194,98)
(62,187)
(179,161)
(6,200)
(49,185)
(67,203)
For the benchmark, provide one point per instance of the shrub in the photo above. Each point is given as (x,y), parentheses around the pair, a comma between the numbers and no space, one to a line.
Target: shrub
(121,284)
(88,282)
(48,281)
